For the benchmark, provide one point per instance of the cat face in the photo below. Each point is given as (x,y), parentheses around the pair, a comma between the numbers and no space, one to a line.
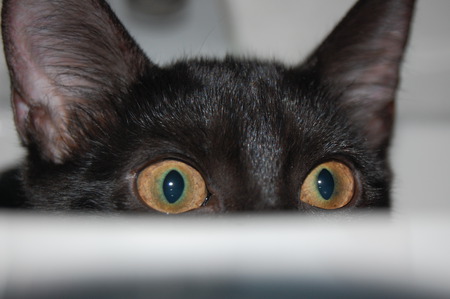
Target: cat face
(108,130)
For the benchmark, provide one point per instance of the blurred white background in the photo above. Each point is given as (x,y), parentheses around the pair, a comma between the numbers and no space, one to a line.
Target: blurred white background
(287,30)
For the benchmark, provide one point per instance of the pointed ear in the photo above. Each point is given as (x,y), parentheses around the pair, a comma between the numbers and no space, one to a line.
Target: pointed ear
(63,55)
(362,57)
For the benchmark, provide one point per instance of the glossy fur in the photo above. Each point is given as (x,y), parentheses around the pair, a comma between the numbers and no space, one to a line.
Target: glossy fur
(102,111)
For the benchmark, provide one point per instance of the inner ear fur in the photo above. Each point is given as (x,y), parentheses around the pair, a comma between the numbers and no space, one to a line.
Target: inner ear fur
(65,57)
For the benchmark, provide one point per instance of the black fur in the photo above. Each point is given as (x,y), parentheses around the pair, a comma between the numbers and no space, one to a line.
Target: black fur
(253,129)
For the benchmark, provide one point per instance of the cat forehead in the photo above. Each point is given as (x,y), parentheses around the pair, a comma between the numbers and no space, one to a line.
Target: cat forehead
(236,102)
(230,70)
(247,92)
(234,81)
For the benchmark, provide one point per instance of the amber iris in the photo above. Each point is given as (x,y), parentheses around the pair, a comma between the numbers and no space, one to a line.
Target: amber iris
(330,185)
(171,187)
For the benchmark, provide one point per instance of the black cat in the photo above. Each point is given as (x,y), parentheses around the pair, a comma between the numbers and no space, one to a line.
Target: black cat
(108,130)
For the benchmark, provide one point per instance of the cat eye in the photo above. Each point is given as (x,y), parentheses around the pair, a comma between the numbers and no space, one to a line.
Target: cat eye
(329,186)
(171,187)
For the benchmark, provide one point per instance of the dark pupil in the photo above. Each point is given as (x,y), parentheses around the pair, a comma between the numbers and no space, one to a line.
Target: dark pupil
(173,186)
(325,184)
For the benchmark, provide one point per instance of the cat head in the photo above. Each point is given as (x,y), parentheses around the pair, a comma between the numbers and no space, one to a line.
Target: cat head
(107,129)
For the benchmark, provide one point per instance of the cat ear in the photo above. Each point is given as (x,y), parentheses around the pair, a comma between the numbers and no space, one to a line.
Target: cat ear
(362,57)
(63,55)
